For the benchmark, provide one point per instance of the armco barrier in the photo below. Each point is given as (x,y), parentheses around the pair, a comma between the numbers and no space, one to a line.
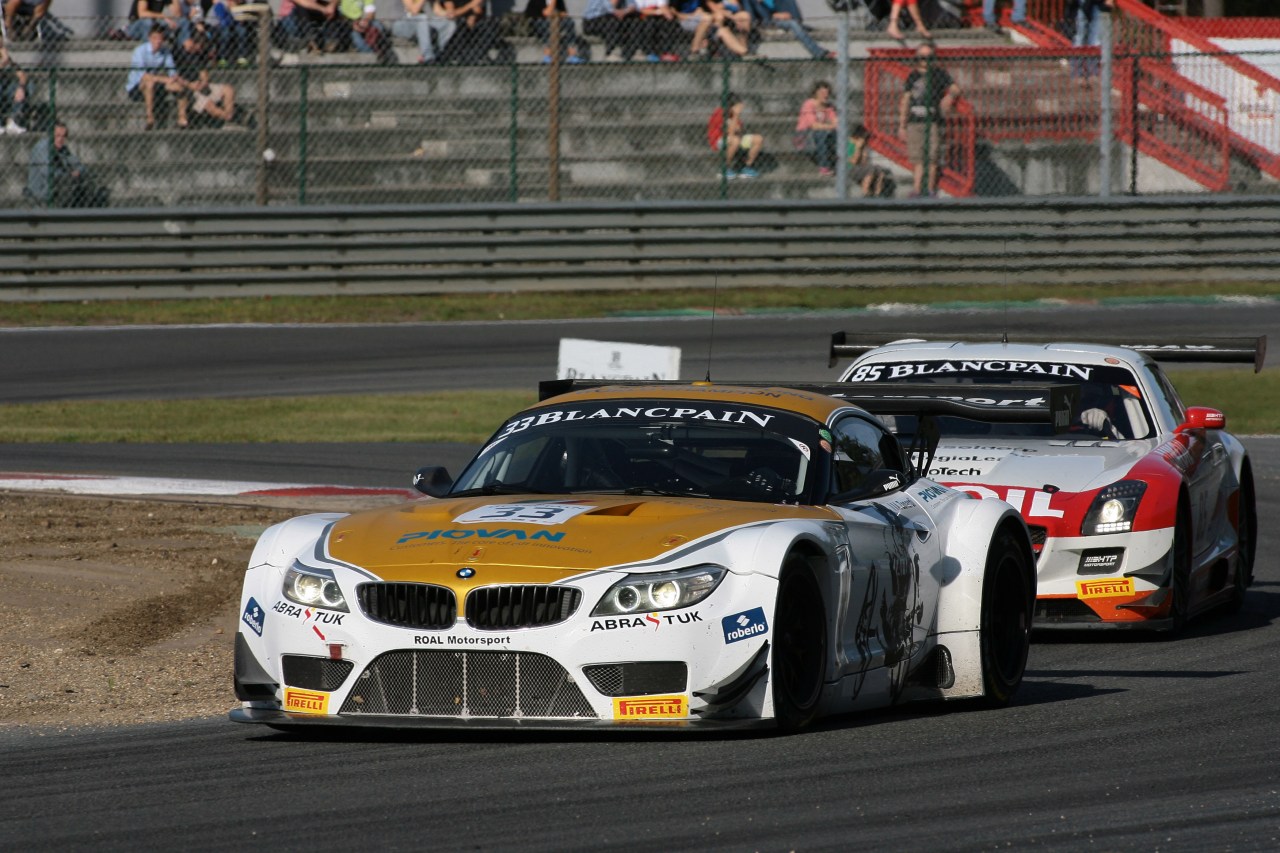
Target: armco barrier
(150,253)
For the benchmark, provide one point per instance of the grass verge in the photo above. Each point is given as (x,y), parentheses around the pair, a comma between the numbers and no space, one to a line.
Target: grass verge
(579,304)
(1252,405)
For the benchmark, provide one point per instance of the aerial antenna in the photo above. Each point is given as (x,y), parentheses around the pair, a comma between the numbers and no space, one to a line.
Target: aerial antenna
(711,342)
(1004,339)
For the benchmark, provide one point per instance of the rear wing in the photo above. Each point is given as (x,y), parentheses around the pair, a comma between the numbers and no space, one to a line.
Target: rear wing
(1029,403)
(1230,350)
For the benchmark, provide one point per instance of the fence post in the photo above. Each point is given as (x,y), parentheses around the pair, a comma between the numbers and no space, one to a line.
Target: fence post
(303,96)
(1133,123)
(842,105)
(724,128)
(265,155)
(513,144)
(53,120)
(553,111)
(1104,89)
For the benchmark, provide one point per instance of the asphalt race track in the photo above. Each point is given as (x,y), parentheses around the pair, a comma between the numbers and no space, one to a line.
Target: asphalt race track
(1115,742)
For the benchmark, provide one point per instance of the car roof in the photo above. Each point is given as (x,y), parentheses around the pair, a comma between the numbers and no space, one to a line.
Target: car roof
(819,407)
(1065,352)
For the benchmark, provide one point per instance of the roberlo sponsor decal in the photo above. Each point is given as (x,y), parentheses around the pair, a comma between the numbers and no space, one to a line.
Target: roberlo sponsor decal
(652,621)
(651,708)
(744,626)
(253,616)
(891,372)
(1041,502)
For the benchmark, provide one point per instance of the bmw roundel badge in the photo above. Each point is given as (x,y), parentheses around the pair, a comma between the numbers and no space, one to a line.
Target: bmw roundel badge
(466,572)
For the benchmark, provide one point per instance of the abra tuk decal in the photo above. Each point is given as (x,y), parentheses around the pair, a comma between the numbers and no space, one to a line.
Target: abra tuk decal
(305,701)
(651,708)
(744,626)
(652,621)
(253,616)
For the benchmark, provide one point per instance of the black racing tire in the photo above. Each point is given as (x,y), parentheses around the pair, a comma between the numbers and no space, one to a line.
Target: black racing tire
(1180,582)
(799,657)
(1008,602)
(1246,541)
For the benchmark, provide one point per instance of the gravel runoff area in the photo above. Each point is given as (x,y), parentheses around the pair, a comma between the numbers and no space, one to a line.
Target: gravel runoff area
(121,611)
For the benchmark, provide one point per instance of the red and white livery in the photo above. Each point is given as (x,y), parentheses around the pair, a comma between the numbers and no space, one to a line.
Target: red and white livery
(1141,508)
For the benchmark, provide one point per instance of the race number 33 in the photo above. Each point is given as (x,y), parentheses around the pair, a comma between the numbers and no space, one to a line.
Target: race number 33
(539,513)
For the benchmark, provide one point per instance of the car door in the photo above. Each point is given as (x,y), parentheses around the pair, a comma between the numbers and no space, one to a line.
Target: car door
(892,556)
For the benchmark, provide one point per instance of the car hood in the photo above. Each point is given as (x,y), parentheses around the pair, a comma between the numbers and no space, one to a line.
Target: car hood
(430,541)
(1071,466)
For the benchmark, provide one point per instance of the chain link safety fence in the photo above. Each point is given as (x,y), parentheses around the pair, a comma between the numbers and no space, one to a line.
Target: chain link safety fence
(1193,107)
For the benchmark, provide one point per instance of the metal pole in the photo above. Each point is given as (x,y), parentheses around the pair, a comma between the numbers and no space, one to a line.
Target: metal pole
(265,154)
(842,105)
(1104,93)
(1133,124)
(725,155)
(303,82)
(553,110)
(513,179)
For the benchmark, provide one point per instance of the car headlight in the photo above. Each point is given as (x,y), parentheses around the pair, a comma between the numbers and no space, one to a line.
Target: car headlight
(664,591)
(313,590)
(1114,508)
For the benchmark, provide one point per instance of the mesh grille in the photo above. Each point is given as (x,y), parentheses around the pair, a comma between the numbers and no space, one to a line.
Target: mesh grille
(494,608)
(408,605)
(467,684)
(313,673)
(638,679)
(1038,535)
(1064,610)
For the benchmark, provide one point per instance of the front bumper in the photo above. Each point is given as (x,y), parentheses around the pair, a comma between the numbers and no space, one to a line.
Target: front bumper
(1118,580)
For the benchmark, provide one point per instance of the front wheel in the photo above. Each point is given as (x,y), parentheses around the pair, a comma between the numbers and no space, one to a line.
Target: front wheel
(1008,600)
(799,646)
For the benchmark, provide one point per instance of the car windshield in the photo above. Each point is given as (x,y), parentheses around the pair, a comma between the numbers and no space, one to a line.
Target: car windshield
(651,447)
(1110,404)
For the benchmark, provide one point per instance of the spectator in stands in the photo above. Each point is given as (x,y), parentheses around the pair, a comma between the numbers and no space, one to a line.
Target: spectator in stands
(724,24)
(151,68)
(146,15)
(477,36)
(875,181)
(726,132)
(314,23)
(659,31)
(420,22)
(357,20)
(989,14)
(913,9)
(13,94)
(614,22)
(816,128)
(1088,34)
(785,15)
(232,40)
(215,102)
(57,178)
(927,100)
(22,18)
(540,14)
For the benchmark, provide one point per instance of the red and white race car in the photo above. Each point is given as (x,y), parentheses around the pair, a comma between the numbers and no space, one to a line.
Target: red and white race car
(1141,509)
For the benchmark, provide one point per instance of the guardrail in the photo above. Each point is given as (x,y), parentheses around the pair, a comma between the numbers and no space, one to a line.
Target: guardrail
(121,254)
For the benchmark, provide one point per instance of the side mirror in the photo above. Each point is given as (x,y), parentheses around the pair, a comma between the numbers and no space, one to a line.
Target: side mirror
(1202,417)
(433,480)
(879,482)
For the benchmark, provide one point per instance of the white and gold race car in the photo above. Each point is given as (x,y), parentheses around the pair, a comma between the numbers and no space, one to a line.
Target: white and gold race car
(653,554)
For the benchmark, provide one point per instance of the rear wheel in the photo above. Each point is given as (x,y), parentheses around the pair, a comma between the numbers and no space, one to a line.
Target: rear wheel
(1180,583)
(1246,541)
(799,646)
(1008,599)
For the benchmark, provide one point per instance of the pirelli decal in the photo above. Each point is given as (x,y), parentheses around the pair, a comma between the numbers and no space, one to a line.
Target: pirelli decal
(305,701)
(651,708)
(1105,588)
